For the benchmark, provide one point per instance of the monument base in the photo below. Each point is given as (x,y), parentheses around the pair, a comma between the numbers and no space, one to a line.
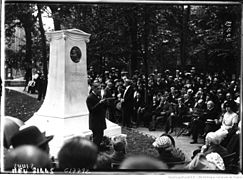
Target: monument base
(65,128)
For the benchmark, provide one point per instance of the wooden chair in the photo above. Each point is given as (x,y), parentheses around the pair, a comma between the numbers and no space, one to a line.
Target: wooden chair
(184,127)
(182,124)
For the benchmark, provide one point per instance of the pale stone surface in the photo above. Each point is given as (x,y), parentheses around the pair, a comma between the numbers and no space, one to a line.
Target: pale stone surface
(64,113)
(67,81)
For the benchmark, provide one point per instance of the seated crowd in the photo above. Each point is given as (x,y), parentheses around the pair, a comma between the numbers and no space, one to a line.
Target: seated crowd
(208,103)
(28,152)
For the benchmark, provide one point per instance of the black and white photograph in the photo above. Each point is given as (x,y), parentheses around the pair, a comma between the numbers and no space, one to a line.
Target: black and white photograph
(121,87)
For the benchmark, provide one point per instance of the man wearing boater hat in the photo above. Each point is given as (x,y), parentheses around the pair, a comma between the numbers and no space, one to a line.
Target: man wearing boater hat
(31,136)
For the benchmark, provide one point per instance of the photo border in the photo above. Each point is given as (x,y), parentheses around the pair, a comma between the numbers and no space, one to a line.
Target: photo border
(216,2)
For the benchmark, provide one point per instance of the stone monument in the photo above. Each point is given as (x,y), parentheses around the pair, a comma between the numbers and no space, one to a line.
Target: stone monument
(64,113)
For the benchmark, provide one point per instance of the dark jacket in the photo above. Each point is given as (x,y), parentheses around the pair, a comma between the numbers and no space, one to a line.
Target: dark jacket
(211,114)
(128,99)
(164,107)
(108,92)
(97,112)
(189,103)
(181,110)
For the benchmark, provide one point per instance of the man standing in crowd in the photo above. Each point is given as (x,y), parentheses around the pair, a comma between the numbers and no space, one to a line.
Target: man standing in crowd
(127,103)
(109,93)
(27,76)
(41,87)
(97,113)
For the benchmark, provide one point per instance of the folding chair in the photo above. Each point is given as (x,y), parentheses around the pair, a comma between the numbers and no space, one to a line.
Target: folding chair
(183,129)
(184,126)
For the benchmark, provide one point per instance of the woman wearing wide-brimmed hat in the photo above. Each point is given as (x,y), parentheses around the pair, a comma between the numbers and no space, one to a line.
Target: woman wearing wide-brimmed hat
(168,153)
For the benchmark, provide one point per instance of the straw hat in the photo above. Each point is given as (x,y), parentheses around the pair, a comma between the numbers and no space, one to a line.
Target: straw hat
(162,142)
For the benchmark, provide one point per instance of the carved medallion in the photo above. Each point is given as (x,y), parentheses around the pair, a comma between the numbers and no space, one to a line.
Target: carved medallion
(75,54)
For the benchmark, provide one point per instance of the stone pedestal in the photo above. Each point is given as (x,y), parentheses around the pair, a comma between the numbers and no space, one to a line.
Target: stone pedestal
(64,113)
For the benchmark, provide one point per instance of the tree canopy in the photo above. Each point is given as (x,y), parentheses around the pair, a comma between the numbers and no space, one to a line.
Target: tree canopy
(132,36)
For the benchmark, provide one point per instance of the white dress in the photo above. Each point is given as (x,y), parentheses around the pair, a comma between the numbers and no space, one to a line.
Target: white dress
(229,119)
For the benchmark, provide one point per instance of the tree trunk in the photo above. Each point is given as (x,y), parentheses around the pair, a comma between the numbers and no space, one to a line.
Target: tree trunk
(184,33)
(43,40)
(28,46)
(56,17)
(145,54)
(27,21)
(132,22)
(134,57)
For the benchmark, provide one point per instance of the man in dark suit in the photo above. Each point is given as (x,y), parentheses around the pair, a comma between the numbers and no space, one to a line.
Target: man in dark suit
(161,115)
(97,113)
(127,103)
(109,92)
(197,124)
(181,112)
(211,118)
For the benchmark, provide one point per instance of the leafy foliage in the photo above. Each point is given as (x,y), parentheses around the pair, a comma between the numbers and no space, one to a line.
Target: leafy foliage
(20,15)
(121,34)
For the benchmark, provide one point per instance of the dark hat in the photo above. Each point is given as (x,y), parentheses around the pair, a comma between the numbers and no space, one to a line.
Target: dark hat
(31,136)
(229,104)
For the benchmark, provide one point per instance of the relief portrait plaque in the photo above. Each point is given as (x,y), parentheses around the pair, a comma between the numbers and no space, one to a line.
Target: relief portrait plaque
(75,54)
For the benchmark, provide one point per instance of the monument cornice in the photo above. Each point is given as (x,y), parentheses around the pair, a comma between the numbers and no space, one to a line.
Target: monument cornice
(74,34)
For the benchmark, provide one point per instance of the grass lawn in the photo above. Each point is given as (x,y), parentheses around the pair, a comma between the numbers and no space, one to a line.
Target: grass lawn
(23,107)
(20,105)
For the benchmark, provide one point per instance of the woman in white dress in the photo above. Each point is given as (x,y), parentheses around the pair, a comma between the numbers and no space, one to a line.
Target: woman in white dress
(228,121)
(230,118)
